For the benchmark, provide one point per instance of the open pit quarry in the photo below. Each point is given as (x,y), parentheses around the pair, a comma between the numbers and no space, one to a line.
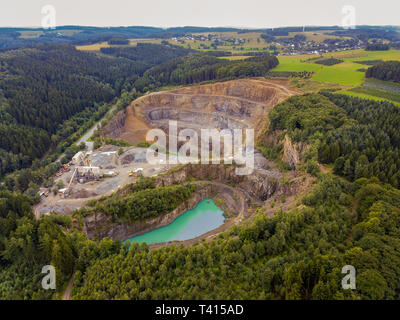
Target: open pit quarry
(237,104)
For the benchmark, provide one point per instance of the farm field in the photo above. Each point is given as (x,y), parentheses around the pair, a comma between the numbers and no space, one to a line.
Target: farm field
(99,45)
(317,36)
(235,57)
(94,46)
(377,90)
(343,73)
(32,34)
(252,42)
(367,96)
(295,63)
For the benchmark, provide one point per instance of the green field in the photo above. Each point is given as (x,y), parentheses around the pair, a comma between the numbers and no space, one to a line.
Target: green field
(377,90)
(367,96)
(343,73)
(294,63)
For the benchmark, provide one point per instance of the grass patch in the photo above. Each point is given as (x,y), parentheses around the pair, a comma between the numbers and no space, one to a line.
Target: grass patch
(385,85)
(345,73)
(378,93)
(295,63)
(117,142)
(366,96)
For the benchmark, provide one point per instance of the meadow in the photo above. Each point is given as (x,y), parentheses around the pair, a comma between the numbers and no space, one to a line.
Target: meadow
(345,73)
(368,95)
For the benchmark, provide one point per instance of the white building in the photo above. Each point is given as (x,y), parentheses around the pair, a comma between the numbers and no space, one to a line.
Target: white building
(76,159)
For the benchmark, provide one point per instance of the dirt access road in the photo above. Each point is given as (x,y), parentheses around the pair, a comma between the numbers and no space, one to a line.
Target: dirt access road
(68,289)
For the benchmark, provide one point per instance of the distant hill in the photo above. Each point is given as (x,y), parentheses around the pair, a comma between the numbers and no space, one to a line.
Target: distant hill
(13,37)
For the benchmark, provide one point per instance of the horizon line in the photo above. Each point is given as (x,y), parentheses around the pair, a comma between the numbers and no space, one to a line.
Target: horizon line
(191,26)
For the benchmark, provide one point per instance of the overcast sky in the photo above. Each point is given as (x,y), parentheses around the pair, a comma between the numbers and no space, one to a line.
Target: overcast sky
(169,13)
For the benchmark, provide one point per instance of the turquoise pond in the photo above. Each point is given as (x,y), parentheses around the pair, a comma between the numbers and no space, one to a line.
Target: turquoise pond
(193,223)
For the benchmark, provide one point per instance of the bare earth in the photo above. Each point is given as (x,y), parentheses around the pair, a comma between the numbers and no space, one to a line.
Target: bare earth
(240,103)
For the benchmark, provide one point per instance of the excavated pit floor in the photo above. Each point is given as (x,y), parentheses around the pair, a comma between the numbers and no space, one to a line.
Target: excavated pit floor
(235,104)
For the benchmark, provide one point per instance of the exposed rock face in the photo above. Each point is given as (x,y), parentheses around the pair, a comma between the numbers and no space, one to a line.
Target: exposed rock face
(232,104)
(258,186)
(116,126)
(160,118)
(261,185)
(292,152)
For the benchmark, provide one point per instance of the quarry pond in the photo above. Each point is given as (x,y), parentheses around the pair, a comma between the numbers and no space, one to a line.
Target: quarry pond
(206,216)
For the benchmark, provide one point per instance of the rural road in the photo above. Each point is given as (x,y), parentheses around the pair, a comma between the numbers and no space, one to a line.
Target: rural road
(68,289)
(89,133)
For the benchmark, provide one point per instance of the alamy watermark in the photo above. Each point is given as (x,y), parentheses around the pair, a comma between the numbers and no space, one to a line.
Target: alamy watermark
(234,148)
(49,280)
(349,280)
(48,17)
(349,17)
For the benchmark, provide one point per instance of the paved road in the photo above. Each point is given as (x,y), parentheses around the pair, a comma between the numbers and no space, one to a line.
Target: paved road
(89,133)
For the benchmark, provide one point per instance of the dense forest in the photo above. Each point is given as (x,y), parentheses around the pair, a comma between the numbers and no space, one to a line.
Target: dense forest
(377,47)
(369,33)
(360,137)
(27,244)
(328,62)
(196,68)
(294,255)
(147,54)
(388,70)
(43,88)
(141,201)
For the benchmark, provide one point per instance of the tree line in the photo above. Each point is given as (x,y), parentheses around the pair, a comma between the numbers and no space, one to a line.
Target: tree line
(387,70)
(199,67)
